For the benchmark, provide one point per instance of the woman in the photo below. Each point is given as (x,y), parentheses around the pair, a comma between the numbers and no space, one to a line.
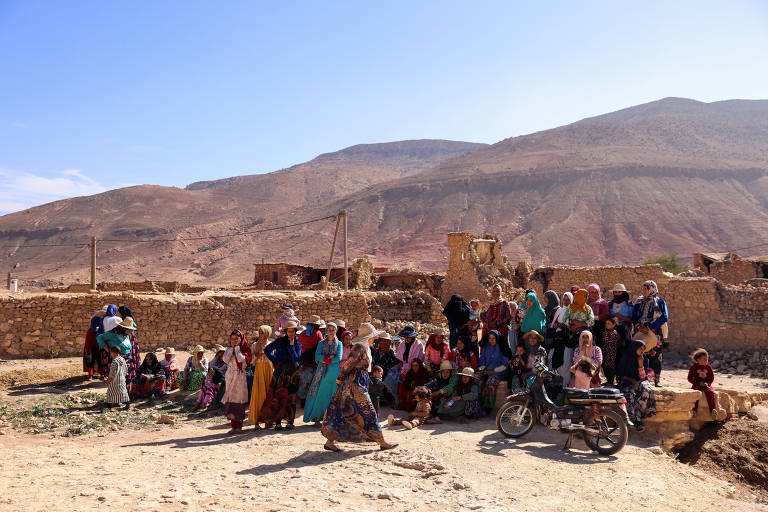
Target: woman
(235,399)
(410,348)
(435,352)
(588,350)
(284,353)
(171,368)
(133,359)
(632,374)
(115,335)
(262,375)
(91,348)
(578,316)
(350,416)
(493,368)
(417,375)
(649,315)
(497,317)
(457,313)
(551,305)
(560,355)
(535,318)
(463,356)
(308,339)
(195,371)
(149,380)
(109,322)
(600,309)
(323,386)
(620,306)
(464,401)
(346,342)
(384,357)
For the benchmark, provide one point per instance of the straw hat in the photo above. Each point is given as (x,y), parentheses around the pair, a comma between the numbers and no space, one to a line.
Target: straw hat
(199,348)
(649,338)
(218,348)
(384,336)
(439,330)
(127,323)
(159,350)
(365,332)
(170,350)
(315,319)
(290,324)
(104,309)
(341,324)
(446,365)
(467,372)
(322,324)
(619,288)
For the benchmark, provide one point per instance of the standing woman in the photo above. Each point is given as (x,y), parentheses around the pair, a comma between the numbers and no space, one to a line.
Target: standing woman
(621,307)
(133,359)
(262,375)
(578,316)
(350,416)
(323,386)
(457,313)
(108,322)
(600,309)
(238,358)
(91,348)
(650,313)
(280,403)
(498,316)
(560,355)
(535,319)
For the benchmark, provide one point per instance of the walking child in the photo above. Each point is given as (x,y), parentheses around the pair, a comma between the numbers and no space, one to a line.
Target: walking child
(117,392)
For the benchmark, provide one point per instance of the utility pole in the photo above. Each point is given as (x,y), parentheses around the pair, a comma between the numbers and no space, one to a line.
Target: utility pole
(346,263)
(263,274)
(93,263)
(9,281)
(333,249)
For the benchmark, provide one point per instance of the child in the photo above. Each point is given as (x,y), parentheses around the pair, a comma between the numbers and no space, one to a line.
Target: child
(474,319)
(420,415)
(614,341)
(582,371)
(213,383)
(517,367)
(376,387)
(701,377)
(117,393)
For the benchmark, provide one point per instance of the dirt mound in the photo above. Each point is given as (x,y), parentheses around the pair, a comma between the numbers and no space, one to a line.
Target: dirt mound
(736,451)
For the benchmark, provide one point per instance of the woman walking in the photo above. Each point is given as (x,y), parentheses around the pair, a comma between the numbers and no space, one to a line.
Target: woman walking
(328,356)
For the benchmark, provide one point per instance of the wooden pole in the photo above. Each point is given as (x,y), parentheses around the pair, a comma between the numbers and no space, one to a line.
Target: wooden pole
(93,263)
(263,273)
(9,281)
(333,248)
(346,262)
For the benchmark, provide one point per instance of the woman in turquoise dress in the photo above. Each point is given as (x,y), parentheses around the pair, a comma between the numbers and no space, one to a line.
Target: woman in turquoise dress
(350,416)
(328,356)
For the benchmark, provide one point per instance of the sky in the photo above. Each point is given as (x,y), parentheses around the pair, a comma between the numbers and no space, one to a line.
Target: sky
(98,95)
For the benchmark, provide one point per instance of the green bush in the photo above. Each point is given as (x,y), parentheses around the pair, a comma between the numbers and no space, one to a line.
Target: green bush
(669,262)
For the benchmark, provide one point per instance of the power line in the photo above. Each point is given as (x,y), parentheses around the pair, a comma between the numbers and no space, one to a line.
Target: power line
(43,245)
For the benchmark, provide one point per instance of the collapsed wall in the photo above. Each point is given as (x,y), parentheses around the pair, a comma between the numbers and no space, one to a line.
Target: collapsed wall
(54,325)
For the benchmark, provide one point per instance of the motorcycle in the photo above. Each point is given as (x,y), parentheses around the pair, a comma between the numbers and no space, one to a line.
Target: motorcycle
(595,413)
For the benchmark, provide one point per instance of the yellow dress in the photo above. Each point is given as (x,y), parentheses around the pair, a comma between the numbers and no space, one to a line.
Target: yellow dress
(262,376)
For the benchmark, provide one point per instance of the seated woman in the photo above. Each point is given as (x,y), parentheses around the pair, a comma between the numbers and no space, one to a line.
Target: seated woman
(435,352)
(632,374)
(195,370)
(464,402)
(442,385)
(171,368)
(463,355)
(417,375)
(149,380)
(213,384)
(493,368)
(385,357)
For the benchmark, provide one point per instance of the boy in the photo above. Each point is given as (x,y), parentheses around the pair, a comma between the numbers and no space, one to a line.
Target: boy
(517,367)
(376,387)
(701,378)
(117,392)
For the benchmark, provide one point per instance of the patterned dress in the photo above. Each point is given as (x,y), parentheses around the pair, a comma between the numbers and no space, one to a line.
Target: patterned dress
(350,416)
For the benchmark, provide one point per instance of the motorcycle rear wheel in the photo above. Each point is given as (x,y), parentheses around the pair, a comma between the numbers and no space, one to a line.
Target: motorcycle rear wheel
(515,419)
(613,433)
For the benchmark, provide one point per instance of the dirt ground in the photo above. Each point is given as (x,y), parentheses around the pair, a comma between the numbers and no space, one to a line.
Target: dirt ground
(126,464)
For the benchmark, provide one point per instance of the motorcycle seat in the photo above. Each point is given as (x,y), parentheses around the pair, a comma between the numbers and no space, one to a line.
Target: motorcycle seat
(591,393)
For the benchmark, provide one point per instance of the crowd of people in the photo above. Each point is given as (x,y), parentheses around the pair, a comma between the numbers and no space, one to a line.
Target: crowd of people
(341,379)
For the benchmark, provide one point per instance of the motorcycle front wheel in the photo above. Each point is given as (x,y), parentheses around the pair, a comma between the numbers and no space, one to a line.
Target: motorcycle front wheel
(515,419)
(611,433)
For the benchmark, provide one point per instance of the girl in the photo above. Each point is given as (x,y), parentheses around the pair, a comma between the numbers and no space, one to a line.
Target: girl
(235,399)
(633,383)
(195,370)
(614,342)
(701,376)
(536,352)
(262,375)
(116,390)
(420,415)
(417,375)
(323,386)
(350,416)
(583,371)
(517,367)
(493,368)
(346,342)
(463,356)
(588,350)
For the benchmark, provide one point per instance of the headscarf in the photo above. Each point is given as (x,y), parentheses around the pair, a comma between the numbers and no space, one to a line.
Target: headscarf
(620,298)
(95,323)
(154,367)
(244,349)
(197,364)
(419,378)
(575,288)
(553,302)
(125,312)
(628,366)
(434,342)
(569,295)
(344,335)
(111,311)
(580,301)
(649,304)
(535,318)
(261,345)
(582,345)
(652,292)
(457,311)
(501,341)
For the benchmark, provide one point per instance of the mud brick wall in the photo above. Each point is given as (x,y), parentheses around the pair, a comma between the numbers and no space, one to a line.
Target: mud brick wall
(561,278)
(52,325)
(734,272)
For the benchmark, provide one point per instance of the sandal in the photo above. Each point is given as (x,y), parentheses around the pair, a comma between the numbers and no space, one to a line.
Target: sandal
(331,449)
(390,447)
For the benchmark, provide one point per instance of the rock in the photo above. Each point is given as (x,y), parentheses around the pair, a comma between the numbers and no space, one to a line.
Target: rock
(166,419)
(102,498)
(656,450)
(384,496)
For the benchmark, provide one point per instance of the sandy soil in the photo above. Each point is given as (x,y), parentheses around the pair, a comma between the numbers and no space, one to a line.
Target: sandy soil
(193,465)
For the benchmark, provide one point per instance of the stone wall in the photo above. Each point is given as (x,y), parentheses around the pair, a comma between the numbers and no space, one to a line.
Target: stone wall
(51,325)
(735,271)
(560,278)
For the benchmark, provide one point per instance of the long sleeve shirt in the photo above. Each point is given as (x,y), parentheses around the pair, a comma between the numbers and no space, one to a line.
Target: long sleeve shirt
(701,375)
(321,358)
(281,351)
(649,321)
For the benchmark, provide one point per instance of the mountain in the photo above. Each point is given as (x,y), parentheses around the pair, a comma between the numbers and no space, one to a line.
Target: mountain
(206,208)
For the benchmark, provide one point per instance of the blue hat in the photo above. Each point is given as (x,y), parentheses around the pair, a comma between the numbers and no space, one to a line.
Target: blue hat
(408,332)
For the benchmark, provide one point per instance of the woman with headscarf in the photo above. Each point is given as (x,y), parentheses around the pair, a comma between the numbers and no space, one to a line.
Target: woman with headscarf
(323,386)
(463,399)
(262,375)
(116,334)
(632,374)
(535,318)
(350,416)
(280,403)
(435,352)
(551,304)
(463,356)
(497,317)
(492,367)
(588,350)
(578,316)
(621,306)
(417,375)
(90,347)
(235,399)
(561,354)
(346,342)
(105,360)
(195,371)
(600,309)
(133,359)
(649,315)
(309,339)
(149,380)
(457,313)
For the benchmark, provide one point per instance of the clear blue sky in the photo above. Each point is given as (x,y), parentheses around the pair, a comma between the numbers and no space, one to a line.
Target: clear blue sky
(102,94)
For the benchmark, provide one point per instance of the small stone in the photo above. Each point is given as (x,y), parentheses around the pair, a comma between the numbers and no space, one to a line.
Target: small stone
(102,498)
(384,496)
(656,450)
